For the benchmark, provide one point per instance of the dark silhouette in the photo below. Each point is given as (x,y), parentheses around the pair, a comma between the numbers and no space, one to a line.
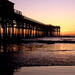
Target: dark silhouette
(17,26)
(8,70)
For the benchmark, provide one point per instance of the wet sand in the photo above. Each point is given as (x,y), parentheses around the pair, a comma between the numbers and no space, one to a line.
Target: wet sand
(37,54)
(47,70)
(37,58)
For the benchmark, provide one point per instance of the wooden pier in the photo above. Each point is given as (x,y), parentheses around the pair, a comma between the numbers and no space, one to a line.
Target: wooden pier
(14,25)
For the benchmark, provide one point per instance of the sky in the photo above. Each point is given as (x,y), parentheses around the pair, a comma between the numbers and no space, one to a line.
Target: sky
(56,12)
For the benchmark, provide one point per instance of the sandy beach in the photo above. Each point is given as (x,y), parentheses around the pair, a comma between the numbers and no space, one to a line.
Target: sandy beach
(47,70)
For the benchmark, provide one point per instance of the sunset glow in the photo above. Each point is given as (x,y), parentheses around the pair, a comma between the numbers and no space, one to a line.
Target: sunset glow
(55,12)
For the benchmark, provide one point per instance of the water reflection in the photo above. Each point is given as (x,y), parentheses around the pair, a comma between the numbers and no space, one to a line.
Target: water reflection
(36,54)
(9,47)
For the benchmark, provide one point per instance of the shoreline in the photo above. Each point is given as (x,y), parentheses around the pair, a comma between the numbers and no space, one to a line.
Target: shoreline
(47,70)
(18,41)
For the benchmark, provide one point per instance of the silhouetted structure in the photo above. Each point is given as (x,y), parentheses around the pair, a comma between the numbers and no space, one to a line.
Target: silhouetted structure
(14,25)
(8,70)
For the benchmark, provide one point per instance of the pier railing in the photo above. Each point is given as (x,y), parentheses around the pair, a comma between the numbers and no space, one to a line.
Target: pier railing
(17,12)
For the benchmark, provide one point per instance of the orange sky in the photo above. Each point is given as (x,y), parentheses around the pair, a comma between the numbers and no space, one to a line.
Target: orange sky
(55,12)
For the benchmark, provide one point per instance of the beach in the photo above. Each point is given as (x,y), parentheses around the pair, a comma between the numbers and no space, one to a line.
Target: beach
(47,70)
(37,37)
(35,58)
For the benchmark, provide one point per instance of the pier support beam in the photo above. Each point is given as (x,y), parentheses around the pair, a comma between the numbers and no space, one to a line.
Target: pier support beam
(3,26)
(0,30)
(12,29)
(0,26)
(22,30)
(33,31)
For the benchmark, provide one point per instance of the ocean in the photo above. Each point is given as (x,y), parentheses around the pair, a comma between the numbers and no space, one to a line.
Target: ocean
(23,55)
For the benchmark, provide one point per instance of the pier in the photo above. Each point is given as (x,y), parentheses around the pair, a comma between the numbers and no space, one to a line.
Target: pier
(14,25)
